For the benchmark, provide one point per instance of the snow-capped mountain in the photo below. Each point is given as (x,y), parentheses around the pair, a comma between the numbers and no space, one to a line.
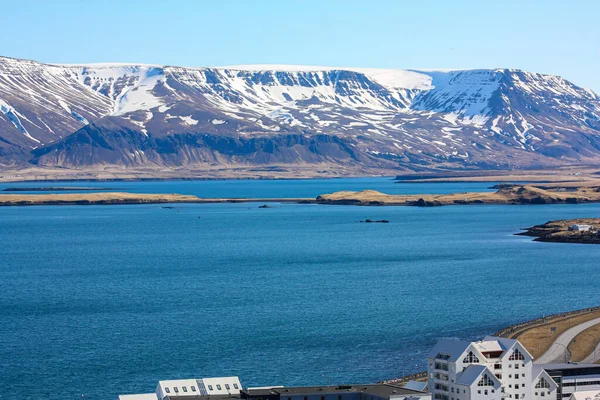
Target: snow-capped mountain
(155,116)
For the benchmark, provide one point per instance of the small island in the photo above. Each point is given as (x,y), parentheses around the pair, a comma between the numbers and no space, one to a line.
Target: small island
(581,230)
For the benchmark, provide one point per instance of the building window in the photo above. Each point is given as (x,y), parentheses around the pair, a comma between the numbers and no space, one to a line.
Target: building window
(517,386)
(176,389)
(193,388)
(470,358)
(542,384)
(536,393)
(479,392)
(339,397)
(210,387)
(219,387)
(509,376)
(235,385)
(485,392)
(184,389)
(486,381)
(543,394)
(516,366)
(522,375)
(516,355)
(516,396)
(167,390)
(227,386)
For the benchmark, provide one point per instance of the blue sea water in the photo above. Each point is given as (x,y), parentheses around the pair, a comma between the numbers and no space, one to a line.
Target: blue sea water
(103,300)
(258,188)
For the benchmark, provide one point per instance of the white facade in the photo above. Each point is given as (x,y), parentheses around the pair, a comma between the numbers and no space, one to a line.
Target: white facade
(179,387)
(580,228)
(491,369)
(229,385)
(226,385)
(573,377)
(205,386)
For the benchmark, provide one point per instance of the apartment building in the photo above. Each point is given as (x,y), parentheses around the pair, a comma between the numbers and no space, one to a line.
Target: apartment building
(490,369)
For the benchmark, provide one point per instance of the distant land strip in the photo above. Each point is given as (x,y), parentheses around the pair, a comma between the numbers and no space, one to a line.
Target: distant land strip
(506,194)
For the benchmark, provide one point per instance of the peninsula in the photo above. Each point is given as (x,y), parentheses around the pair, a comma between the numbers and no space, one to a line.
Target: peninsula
(506,194)
(581,230)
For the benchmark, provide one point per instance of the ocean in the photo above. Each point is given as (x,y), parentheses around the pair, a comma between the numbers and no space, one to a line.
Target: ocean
(97,301)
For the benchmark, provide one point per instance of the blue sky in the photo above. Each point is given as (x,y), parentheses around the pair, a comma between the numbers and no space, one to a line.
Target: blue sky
(557,37)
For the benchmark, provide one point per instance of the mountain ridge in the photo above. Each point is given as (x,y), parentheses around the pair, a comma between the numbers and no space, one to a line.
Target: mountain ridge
(392,119)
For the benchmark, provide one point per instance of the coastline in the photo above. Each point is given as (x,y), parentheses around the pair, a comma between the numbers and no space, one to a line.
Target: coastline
(558,231)
(117,198)
(506,194)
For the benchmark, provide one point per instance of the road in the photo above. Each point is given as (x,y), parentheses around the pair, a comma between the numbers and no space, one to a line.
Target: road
(556,352)
(592,358)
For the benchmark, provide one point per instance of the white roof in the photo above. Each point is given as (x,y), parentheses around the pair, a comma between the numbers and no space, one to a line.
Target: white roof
(586,395)
(473,373)
(141,396)
(489,345)
(452,347)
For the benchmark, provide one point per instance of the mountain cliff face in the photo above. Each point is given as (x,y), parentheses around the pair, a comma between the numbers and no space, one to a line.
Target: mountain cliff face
(158,116)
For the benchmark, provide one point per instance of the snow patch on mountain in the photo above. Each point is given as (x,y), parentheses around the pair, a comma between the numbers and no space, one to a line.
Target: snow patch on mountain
(13,116)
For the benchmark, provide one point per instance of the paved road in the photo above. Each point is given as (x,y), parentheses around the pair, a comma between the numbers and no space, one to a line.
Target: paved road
(556,352)
(595,356)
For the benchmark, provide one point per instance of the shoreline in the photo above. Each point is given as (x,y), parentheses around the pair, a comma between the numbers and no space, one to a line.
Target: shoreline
(558,231)
(505,195)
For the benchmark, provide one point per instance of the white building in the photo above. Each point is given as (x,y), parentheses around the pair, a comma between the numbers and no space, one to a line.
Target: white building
(580,228)
(491,369)
(573,377)
(190,388)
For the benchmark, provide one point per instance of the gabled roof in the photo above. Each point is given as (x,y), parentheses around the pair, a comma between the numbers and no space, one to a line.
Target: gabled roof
(538,371)
(473,373)
(451,347)
(507,344)
(586,395)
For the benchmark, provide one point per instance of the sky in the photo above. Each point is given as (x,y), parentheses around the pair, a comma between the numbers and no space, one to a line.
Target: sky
(559,37)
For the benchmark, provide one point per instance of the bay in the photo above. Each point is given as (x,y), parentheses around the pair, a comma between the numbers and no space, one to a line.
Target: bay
(103,300)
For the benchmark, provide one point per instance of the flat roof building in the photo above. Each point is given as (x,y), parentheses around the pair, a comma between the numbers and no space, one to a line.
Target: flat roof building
(189,389)
(580,227)
(379,391)
(229,388)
